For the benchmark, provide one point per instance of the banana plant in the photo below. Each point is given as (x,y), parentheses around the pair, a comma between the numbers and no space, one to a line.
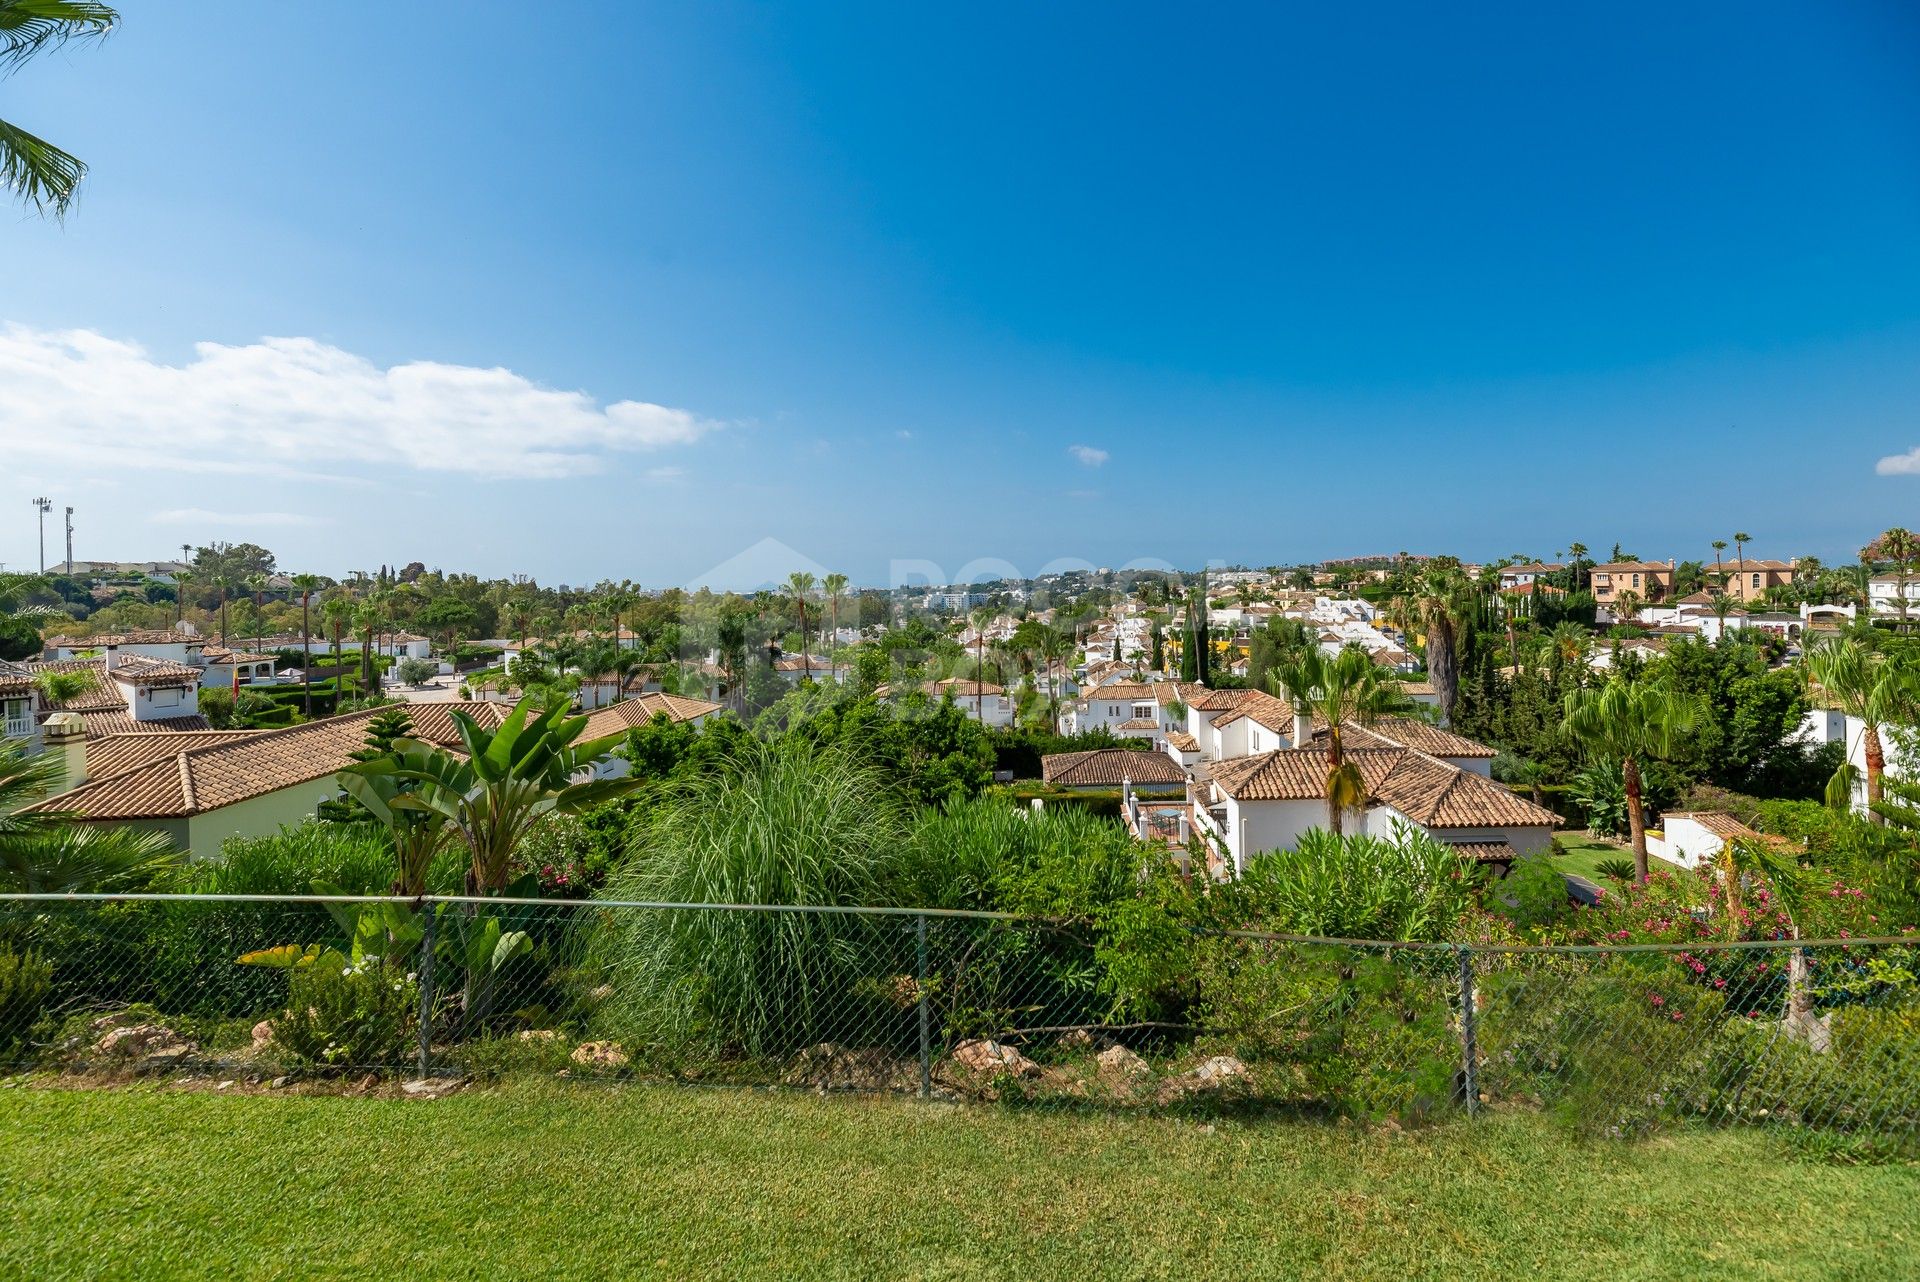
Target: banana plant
(507,781)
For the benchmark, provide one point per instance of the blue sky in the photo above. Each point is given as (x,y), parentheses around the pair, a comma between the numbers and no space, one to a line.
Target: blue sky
(622,295)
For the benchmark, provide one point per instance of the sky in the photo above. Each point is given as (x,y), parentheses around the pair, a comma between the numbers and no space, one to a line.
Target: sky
(970,290)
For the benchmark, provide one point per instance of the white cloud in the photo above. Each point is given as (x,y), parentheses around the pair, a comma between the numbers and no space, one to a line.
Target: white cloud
(281,406)
(1088,455)
(1907,464)
(665,473)
(904,435)
(201,516)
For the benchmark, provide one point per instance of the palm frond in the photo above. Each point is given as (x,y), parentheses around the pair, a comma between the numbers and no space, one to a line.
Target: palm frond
(28,26)
(37,171)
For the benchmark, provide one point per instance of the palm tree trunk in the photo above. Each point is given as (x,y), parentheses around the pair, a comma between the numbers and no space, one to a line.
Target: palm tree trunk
(1636,818)
(306,653)
(1876,757)
(1336,759)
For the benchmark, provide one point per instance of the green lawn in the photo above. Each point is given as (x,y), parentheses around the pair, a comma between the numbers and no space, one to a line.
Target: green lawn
(1584,851)
(684,1183)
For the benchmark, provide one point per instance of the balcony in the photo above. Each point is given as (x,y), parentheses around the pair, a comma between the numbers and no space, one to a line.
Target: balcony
(17,727)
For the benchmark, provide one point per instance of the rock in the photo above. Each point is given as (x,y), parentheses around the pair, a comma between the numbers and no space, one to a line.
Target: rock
(599,1055)
(134,1039)
(537,1035)
(165,1059)
(262,1034)
(223,1085)
(1221,1075)
(432,1087)
(279,1083)
(991,1059)
(153,1048)
(1120,1070)
(1076,1039)
(830,1066)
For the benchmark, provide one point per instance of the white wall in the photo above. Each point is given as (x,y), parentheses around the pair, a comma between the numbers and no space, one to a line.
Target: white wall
(1684,841)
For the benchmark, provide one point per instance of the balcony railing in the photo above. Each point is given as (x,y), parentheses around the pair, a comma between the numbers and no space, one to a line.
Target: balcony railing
(17,727)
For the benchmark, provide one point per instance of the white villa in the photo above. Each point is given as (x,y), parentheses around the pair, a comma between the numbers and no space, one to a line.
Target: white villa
(1256,780)
(202,787)
(216,663)
(987,703)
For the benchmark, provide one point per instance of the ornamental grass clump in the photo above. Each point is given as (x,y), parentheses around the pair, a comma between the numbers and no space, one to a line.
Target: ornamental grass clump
(774,824)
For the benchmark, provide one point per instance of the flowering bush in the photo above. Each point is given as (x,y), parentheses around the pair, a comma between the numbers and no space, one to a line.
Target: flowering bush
(348,1016)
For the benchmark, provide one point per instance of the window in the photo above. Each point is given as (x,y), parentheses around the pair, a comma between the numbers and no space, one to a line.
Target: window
(1756,580)
(1636,580)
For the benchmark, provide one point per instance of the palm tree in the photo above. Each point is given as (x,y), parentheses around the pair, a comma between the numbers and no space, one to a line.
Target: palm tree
(306,585)
(835,585)
(337,613)
(1339,691)
(36,171)
(1740,541)
(1900,546)
(619,601)
(800,585)
(1874,688)
(49,852)
(982,617)
(1629,723)
(1720,575)
(257,585)
(1442,602)
(182,580)
(368,616)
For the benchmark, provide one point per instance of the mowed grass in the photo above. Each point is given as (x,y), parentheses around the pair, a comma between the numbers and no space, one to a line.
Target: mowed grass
(1584,852)
(538,1181)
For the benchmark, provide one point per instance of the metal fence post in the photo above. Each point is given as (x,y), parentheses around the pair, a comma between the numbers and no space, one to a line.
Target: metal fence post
(426,988)
(1469,1070)
(926,1027)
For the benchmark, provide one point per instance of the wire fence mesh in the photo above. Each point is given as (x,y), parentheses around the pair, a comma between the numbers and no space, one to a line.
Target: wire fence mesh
(1821,1037)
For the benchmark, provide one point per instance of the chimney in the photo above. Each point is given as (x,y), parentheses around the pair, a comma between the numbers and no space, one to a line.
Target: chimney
(113,657)
(1302,727)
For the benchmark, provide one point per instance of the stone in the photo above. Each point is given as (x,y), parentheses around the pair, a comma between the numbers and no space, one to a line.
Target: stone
(991,1059)
(830,1066)
(599,1055)
(1221,1075)
(1076,1039)
(262,1034)
(1120,1070)
(279,1083)
(538,1035)
(133,1039)
(223,1085)
(432,1087)
(165,1059)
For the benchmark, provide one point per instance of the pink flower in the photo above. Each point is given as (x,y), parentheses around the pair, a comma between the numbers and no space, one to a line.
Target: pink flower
(1657,999)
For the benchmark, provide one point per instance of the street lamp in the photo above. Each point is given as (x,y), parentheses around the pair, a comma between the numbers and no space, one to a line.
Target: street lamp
(43,506)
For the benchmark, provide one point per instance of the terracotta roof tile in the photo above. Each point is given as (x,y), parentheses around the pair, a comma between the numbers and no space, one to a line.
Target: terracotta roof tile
(1427,791)
(102,722)
(206,775)
(1106,767)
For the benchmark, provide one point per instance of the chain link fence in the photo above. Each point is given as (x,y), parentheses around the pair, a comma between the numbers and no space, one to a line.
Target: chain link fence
(1819,1037)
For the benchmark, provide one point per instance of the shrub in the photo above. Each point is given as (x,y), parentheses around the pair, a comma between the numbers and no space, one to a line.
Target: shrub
(24,983)
(349,1017)
(1363,1033)
(778,823)
(1359,886)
